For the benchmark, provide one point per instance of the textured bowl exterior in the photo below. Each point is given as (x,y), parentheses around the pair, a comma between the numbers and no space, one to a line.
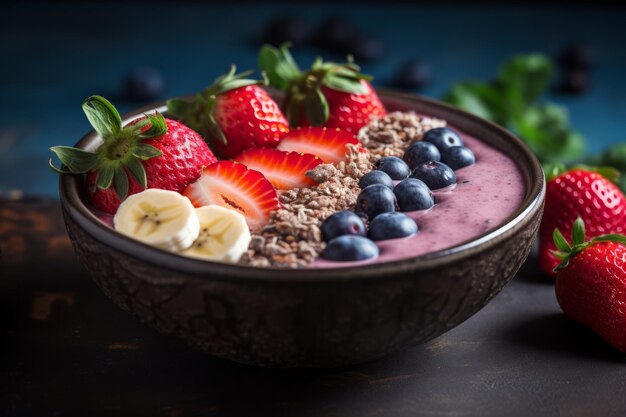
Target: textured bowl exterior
(312,318)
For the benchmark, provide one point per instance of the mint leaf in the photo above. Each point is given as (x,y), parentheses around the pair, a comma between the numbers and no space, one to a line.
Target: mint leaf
(478,98)
(524,79)
(546,130)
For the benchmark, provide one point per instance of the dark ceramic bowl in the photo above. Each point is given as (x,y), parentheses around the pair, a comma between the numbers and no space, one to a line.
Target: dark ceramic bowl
(312,318)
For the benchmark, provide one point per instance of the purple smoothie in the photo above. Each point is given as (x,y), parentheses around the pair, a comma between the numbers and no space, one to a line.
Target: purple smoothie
(485,195)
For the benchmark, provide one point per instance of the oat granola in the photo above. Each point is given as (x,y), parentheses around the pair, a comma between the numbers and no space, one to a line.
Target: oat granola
(293,236)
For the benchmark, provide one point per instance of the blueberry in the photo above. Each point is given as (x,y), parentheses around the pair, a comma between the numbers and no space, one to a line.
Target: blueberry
(376,177)
(443,137)
(395,167)
(336,33)
(287,29)
(350,248)
(366,48)
(375,199)
(458,157)
(413,194)
(576,56)
(412,74)
(435,174)
(421,152)
(391,226)
(143,84)
(574,81)
(342,223)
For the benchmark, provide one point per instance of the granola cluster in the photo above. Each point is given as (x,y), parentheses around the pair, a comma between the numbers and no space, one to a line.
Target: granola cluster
(293,237)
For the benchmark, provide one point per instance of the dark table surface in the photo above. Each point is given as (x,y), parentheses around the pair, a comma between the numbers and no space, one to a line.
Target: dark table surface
(66,350)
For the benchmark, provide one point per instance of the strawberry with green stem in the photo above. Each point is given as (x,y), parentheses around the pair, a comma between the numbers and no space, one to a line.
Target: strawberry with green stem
(591,282)
(149,152)
(328,94)
(579,192)
(233,114)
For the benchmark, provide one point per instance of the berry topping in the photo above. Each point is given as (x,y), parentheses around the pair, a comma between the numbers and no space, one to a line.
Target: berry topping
(443,138)
(232,185)
(233,114)
(412,74)
(375,199)
(376,177)
(391,226)
(327,143)
(434,174)
(150,152)
(457,157)
(285,170)
(342,223)
(579,193)
(395,167)
(413,194)
(328,94)
(421,152)
(350,248)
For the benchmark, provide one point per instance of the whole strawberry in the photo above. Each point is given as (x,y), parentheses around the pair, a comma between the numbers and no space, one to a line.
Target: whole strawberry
(233,114)
(150,152)
(579,193)
(591,282)
(328,94)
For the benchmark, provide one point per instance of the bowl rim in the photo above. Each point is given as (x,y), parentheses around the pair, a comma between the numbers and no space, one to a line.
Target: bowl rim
(532,202)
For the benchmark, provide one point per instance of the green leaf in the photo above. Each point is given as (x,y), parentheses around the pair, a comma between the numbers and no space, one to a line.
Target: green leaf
(77,161)
(615,156)
(578,232)
(610,238)
(137,170)
(102,115)
(278,65)
(316,108)
(553,169)
(348,85)
(105,176)
(560,241)
(524,79)
(607,172)
(481,99)
(145,151)
(179,109)
(120,183)
(546,130)
(562,265)
(158,126)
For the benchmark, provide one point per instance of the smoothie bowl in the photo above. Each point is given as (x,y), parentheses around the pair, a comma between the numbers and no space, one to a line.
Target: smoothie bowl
(292,296)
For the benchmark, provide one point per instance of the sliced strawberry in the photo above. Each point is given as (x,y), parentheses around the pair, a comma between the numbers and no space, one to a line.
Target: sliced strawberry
(232,185)
(285,170)
(329,144)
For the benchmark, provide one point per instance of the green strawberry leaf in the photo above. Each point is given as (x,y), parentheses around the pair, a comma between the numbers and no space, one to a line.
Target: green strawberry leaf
(279,66)
(103,116)
(157,128)
(105,176)
(120,183)
(560,241)
(578,232)
(565,253)
(137,170)
(145,151)
(316,108)
(77,161)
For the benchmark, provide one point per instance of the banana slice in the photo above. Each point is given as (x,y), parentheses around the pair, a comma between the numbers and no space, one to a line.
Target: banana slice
(161,218)
(224,235)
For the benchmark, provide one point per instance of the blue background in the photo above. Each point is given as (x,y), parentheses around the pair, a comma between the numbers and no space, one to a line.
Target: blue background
(54,55)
